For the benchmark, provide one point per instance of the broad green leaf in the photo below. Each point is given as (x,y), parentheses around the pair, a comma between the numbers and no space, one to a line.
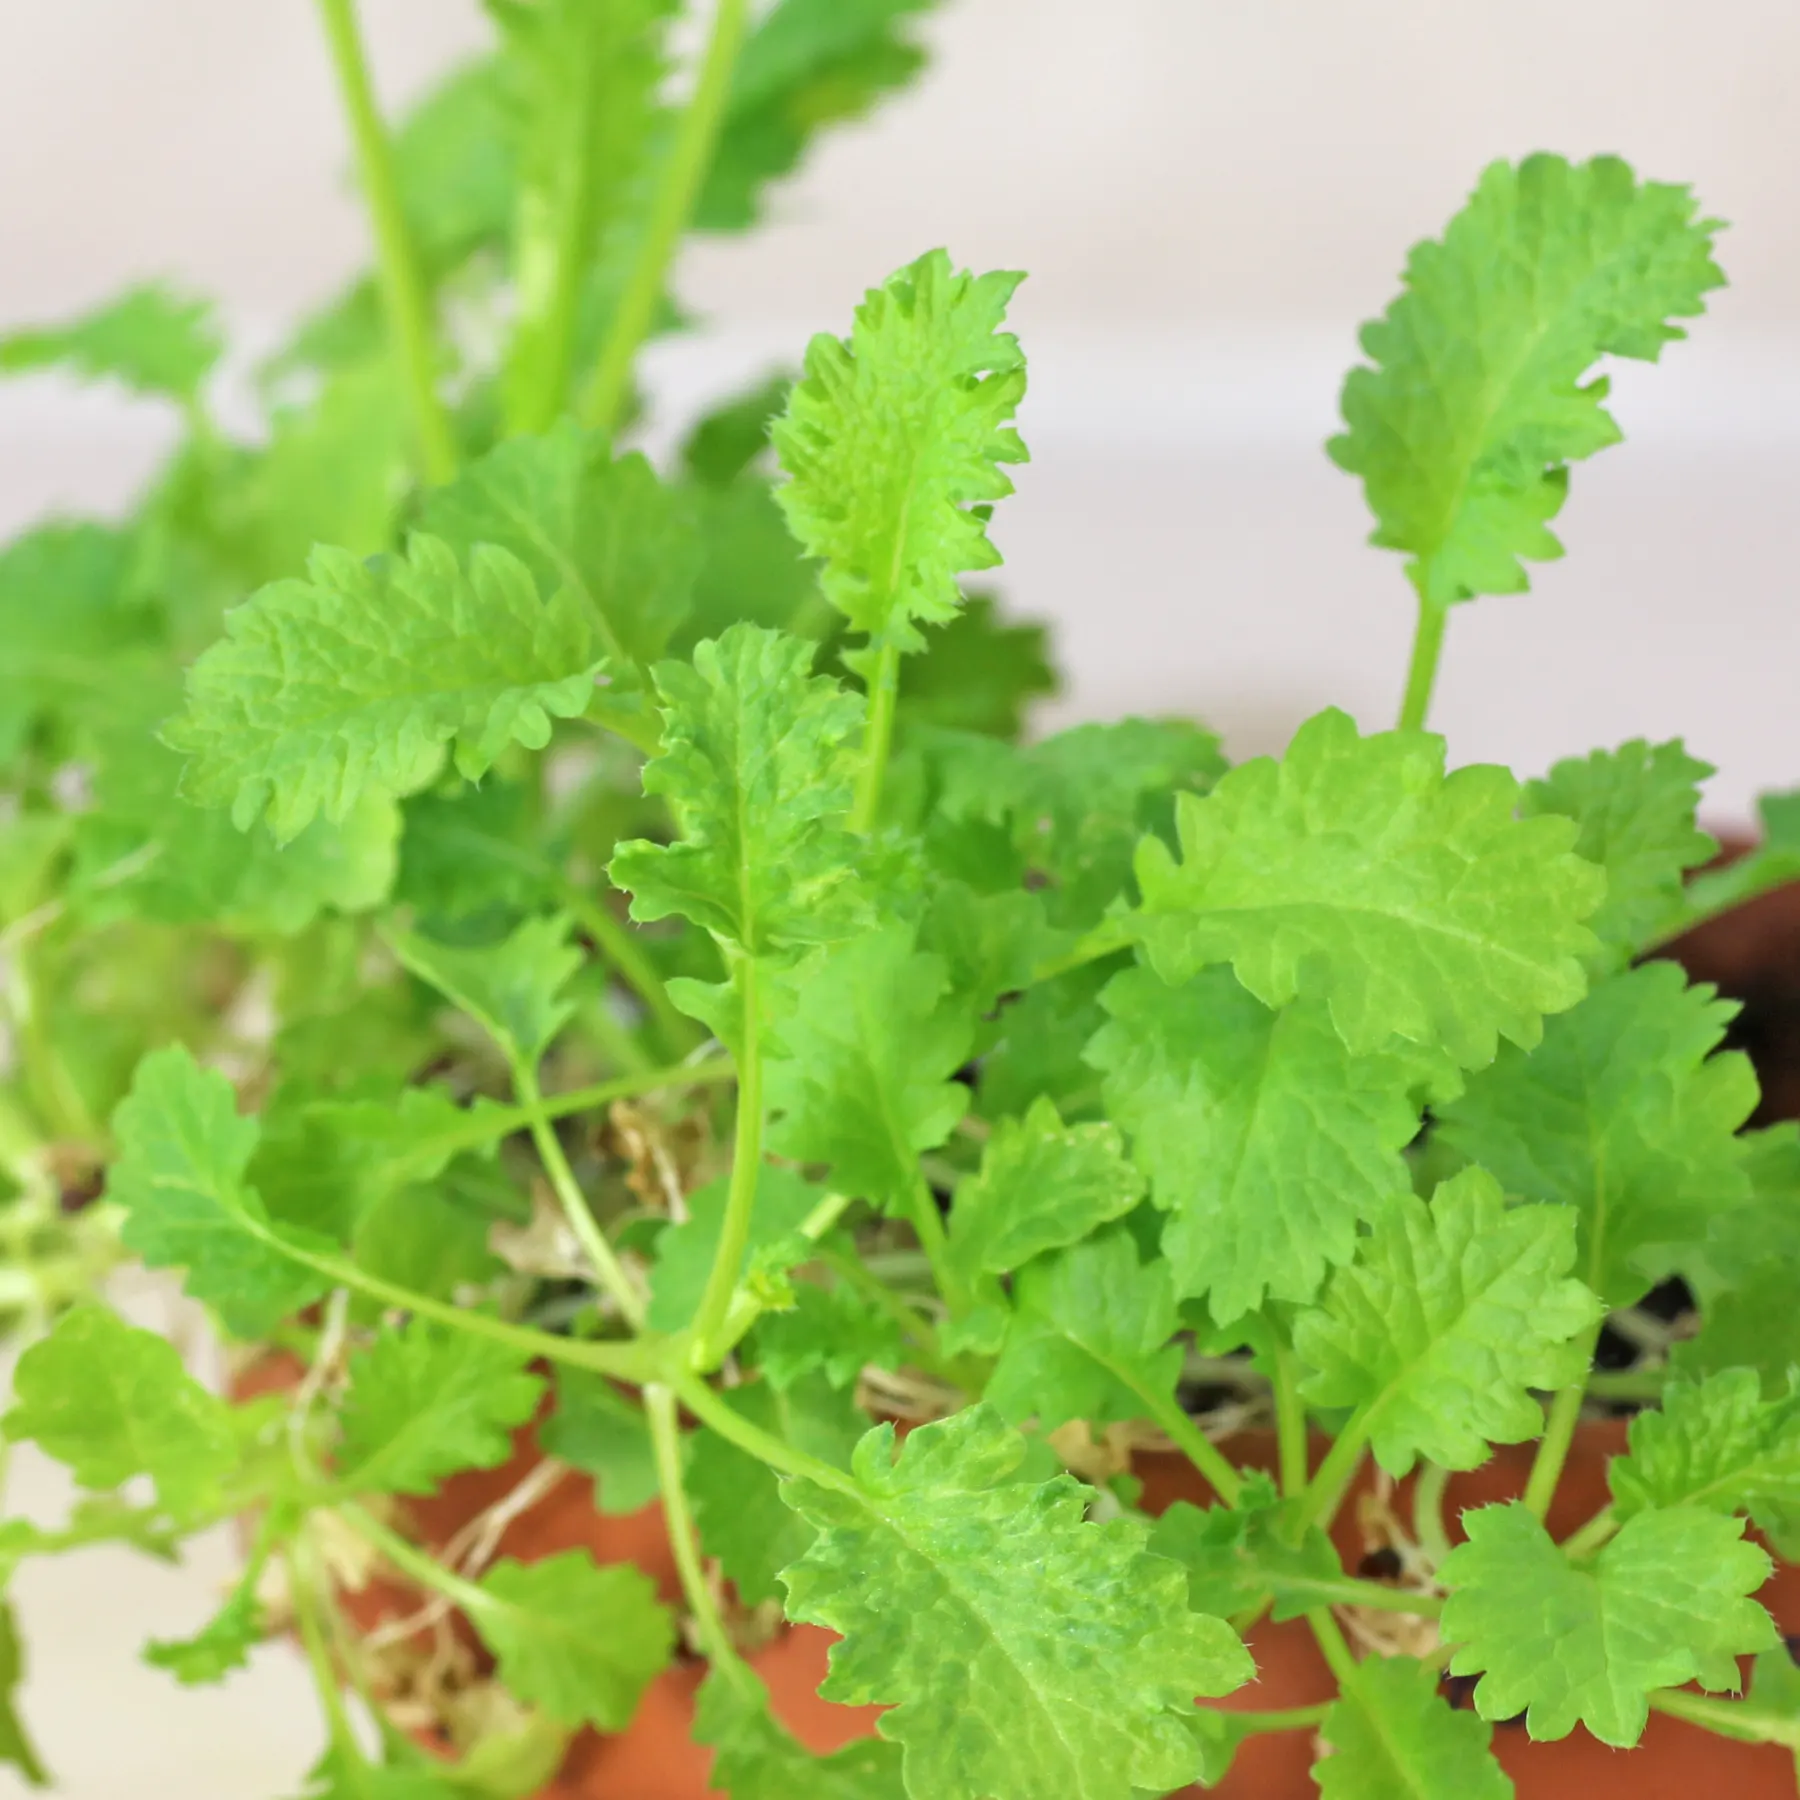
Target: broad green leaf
(1464,427)
(992,945)
(1091,1336)
(16,1750)
(806,65)
(1775,860)
(863,1079)
(516,990)
(757,1759)
(1447,1319)
(1625,1115)
(1043,1185)
(594,1428)
(220,1647)
(1635,809)
(1665,1602)
(894,444)
(361,677)
(424,1402)
(580,1639)
(456,163)
(179,1176)
(112,1401)
(684,1252)
(1238,1558)
(751,570)
(609,533)
(1024,1649)
(474,850)
(341,1775)
(1356,872)
(1391,1737)
(737,1499)
(149,339)
(1716,1444)
(983,674)
(1756,1325)
(836,1332)
(1042,1045)
(1267,1141)
(733,436)
(756,767)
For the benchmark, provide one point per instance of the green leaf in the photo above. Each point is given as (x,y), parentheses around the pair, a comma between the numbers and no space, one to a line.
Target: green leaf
(982,675)
(580,1639)
(1635,809)
(1391,1737)
(1042,1046)
(834,1332)
(751,570)
(1716,1444)
(474,850)
(1624,1115)
(1267,1141)
(1448,1318)
(894,443)
(221,1646)
(16,1750)
(111,1401)
(1665,1602)
(758,1760)
(1043,1185)
(595,1429)
(424,1402)
(359,678)
(737,1500)
(607,533)
(757,770)
(1775,860)
(179,1176)
(456,163)
(1024,1649)
(1090,1337)
(1463,429)
(148,339)
(807,65)
(1238,1558)
(1755,1326)
(863,1079)
(684,1252)
(1356,872)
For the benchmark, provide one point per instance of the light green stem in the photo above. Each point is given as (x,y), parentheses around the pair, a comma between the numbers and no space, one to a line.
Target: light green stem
(607,1267)
(1428,645)
(1591,1535)
(746,1309)
(709,1409)
(1331,1642)
(878,739)
(1323,1495)
(304,1579)
(402,286)
(1290,1423)
(422,1569)
(1193,1443)
(1559,1434)
(1740,1719)
(1428,1512)
(689,157)
(746,1168)
(1107,938)
(928,1225)
(1295,1718)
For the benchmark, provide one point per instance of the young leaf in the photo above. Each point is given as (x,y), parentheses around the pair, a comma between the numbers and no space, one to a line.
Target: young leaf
(609,533)
(580,1639)
(895,440)
(148,339)
(1716,1444)
(756,770)
(112,1401)
(1663,1603)
(16,1750)
(424,1402)
(1043,1185)
(357,679)
(1355,871)
(1635,809)
(1266,1140)
(1042,1046)
(833,1332)
(806,65)
(1238,1558)
(179,1176)
(737,1499)
(595,1429)
(863,1081)
(1625,1115)
(758,1760)
(1044,1653)
(1448,1318)
(515,989)
(221,1646)
(1391,1737)
(1463,429)
(1090,1337)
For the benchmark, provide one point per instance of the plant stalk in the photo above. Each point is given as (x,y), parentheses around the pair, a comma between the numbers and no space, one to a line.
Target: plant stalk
(1290,1424)
(709,1409)
(1428,646)
(1323,1495)
(1740,1719)
(1559,1434)
(403,291)
(1592,1535)
(878,739)
(303,1579)
(1428,1512)
(689,158)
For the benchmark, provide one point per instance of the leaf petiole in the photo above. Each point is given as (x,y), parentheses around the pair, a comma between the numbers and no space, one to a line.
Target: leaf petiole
(1421,675)
(1740,1719)
(878,738)
(1559,1434)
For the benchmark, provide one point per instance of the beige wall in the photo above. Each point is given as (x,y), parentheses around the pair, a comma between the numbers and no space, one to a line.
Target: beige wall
(1177,163)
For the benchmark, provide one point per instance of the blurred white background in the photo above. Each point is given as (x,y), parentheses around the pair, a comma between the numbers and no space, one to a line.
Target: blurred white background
(1210,195)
